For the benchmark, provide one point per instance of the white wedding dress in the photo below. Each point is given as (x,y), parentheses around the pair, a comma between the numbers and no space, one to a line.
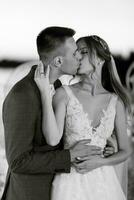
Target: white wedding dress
(98,184)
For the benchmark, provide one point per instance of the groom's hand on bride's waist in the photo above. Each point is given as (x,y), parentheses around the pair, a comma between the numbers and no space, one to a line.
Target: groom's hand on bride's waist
(83,149)
(88,165)
(111,147)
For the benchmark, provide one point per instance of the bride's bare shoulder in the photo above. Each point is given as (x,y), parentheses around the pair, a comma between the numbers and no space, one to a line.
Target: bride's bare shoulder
(60,95)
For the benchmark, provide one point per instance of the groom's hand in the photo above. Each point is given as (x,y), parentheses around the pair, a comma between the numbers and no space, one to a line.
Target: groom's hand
(111,147)
(83,149)
(89,165)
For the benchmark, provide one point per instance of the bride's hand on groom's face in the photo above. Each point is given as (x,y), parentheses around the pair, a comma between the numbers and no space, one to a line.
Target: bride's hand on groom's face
(41,77)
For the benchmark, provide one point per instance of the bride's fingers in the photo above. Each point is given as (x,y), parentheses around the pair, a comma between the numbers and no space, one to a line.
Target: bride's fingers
(36,73)
(47,72)
(40,72)
(41,67)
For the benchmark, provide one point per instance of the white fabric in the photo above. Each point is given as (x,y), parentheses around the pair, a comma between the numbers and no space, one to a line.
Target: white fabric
(101,183)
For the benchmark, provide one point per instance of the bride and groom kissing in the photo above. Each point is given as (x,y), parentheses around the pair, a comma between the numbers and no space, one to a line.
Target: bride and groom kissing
(54,151)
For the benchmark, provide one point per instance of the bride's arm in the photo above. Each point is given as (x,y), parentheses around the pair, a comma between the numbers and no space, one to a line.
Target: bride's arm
(51,130)
(53,123)
(121,132)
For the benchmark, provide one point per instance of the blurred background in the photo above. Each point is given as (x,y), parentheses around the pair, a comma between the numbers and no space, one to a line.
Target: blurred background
(22,20)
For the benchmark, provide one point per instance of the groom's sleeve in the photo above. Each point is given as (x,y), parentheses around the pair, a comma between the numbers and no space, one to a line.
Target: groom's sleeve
(19,118)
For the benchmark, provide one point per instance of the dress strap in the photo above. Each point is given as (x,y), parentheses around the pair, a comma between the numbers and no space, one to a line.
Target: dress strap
(113,101)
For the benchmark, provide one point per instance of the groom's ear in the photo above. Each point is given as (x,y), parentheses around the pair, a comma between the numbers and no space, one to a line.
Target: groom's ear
(58,61)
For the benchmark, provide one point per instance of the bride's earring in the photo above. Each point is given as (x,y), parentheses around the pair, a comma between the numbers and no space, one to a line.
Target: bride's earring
(99,63)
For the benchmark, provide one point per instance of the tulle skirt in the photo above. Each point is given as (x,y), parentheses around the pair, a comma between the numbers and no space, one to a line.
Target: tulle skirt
(99,184)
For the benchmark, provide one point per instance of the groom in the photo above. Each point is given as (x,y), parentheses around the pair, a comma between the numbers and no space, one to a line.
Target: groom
(33,163)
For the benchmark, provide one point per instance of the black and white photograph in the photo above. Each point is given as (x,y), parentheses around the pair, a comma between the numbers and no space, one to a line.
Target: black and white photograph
(66,100)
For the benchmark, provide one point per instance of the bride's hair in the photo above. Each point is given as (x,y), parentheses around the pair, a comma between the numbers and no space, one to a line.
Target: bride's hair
(110,78)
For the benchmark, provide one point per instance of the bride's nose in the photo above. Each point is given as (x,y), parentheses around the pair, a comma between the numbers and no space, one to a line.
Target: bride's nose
(79,56)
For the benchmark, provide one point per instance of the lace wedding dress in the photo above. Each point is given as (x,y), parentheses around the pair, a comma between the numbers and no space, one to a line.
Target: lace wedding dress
(98,184)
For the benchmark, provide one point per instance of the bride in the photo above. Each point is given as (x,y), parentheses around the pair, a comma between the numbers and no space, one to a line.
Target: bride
(91,109)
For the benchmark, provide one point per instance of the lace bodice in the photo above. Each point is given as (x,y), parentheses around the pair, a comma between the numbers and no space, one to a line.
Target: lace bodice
(78,125)
(101,183)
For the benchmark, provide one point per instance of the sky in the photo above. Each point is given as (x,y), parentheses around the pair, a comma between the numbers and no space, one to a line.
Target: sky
(22,20)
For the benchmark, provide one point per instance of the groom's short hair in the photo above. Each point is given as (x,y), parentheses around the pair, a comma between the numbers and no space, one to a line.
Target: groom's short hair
(52,37)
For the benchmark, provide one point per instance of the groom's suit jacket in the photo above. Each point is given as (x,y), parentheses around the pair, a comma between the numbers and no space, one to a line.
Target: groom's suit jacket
(32,163)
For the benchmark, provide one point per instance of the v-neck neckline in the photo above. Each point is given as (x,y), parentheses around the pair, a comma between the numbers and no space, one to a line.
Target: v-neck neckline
(87,115)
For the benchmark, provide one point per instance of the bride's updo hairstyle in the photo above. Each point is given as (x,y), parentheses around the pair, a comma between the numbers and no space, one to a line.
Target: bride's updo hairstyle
(110,78)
